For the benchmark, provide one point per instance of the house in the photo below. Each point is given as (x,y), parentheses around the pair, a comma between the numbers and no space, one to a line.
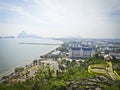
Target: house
(81,52)
(55,53)
(108,57)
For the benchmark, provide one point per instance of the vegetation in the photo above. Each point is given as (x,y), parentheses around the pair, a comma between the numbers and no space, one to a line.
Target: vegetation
(116,65)
(19,69)
(72,74)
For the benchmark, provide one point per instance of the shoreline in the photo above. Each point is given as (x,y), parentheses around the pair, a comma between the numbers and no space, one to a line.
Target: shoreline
(8,72)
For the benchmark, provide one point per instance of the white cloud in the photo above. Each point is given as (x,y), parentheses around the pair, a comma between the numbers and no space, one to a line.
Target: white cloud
(55,18)
(16,9)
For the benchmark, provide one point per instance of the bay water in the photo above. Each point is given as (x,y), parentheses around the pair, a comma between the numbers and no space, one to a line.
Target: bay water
(13,54)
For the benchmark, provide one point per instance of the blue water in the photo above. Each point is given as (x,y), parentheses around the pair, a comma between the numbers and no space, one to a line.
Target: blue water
(13,54)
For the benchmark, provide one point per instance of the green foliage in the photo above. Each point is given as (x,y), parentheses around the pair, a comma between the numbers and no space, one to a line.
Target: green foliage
(94,60)
(58,85)
(116,64)
(19,69)
(44,79)
(4,87)
(62,49)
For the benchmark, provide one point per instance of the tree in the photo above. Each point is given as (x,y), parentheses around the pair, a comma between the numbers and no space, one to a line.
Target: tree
(19,69)
(96,55)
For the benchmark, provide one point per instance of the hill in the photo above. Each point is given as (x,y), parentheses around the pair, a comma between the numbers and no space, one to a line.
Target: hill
(23,34)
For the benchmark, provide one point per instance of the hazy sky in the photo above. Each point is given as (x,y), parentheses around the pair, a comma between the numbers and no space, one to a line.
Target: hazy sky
(61,18)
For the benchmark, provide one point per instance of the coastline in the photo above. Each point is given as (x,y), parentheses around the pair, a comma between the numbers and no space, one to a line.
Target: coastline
(7,73)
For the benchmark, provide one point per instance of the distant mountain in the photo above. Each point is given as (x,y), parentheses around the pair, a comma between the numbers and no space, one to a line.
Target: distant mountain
(23,34)
(9,37)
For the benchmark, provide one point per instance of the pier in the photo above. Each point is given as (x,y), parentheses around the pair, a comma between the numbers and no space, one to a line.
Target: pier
(41,43)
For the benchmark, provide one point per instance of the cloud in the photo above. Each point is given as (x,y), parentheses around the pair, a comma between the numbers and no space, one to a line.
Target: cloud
(86,18)
(16,9)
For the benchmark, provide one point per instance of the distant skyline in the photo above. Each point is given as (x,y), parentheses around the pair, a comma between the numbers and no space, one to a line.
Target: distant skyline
(61,18)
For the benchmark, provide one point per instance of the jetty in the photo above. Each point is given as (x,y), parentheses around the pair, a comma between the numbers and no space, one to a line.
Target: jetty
(41,43)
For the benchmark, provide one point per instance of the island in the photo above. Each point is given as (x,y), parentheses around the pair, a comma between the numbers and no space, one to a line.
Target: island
(23,34)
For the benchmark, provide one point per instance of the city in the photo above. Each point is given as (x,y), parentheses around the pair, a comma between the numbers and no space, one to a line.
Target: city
(84,64)
(59,45)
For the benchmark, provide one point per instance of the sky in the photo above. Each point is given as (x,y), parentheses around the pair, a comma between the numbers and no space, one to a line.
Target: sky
(61,18)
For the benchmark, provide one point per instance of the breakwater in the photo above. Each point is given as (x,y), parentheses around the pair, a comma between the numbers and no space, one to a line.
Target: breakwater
(40,43)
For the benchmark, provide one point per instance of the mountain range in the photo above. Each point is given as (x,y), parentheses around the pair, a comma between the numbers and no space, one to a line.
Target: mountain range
(23,34)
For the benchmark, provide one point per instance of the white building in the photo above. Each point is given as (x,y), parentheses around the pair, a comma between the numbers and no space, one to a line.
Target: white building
(81,52)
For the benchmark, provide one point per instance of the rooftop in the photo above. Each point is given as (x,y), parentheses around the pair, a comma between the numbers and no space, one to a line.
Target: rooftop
(83,48)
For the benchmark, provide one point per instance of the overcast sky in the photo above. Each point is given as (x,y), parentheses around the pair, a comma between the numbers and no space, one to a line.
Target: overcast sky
(61,18)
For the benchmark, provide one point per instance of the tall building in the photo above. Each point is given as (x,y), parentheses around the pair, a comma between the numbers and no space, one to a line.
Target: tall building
(81,52)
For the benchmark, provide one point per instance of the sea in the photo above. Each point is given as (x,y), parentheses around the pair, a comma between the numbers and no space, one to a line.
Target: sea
(14,54)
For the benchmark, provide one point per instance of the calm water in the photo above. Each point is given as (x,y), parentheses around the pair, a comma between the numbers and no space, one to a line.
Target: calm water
(13,54)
